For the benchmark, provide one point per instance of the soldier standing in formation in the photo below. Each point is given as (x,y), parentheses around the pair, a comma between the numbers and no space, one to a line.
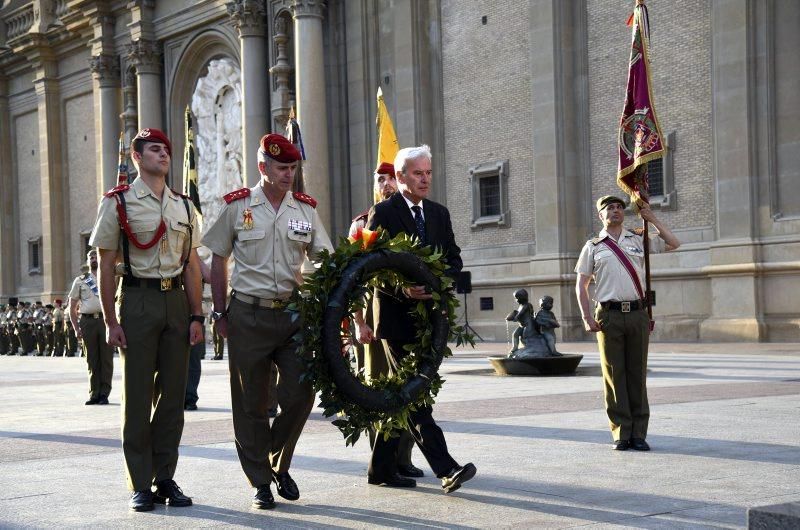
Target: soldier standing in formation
(148,233)
(58,329)
(270,231)
(84,296)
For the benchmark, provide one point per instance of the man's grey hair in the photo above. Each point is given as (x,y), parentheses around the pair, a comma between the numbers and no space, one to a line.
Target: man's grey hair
(410,153)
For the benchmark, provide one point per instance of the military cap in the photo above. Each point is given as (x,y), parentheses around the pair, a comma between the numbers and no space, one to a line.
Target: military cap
(278,148)
(153,136)
(91,252)
(58,301)
(604,201)
(386,168)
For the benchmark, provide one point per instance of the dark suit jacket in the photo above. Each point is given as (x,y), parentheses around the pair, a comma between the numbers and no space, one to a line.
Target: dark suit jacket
(391,312)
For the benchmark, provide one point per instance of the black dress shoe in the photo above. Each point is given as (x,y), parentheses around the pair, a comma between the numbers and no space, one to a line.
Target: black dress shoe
(217,358)
(410,471)
(190,406)
(92,401)
(638,444)
(103,400)
(457,476)
(167,492)
(621,445)
(286,486)
(392,481)
(263,499)
(141,501)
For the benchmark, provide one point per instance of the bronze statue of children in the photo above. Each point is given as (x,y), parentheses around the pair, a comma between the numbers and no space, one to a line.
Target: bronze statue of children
(523,314)
(545,322)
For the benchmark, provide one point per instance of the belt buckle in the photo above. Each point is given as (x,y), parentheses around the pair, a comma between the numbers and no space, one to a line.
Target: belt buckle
(166,284)
(626,307)
(276,304)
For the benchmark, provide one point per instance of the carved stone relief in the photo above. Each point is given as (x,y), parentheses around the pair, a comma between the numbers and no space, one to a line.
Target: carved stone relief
(217,107)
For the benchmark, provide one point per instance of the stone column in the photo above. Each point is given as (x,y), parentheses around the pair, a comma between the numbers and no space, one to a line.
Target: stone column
(312,111)
(559,103)
(105,86)
(281,72)
(51,170)
(7,254)
(736,312)
(129,116)
(248,19)
(145,55)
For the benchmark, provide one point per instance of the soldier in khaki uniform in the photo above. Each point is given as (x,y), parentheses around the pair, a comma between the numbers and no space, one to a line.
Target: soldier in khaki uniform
(85,296)
(145,233)
(620,318)
(58,329)
(270,231)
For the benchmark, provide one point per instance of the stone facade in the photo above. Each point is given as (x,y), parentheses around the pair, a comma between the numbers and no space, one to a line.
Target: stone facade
(535,84)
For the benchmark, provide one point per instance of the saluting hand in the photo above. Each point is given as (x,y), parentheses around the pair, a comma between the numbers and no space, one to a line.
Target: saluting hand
(195,333)
(115,336)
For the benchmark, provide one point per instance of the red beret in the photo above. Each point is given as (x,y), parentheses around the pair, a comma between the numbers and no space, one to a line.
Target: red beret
(58,301)
(278,148)
(153,136)
(385,169)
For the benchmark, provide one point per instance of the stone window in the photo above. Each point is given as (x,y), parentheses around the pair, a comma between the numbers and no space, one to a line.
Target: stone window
(662,178)
(35,255)
(489,193)
(84,244)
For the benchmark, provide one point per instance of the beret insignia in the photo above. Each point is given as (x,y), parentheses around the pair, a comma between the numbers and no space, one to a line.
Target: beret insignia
(274,150)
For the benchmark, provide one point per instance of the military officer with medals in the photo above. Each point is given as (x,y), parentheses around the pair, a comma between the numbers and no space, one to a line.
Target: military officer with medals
(84,298)
(147,233)
(269,231)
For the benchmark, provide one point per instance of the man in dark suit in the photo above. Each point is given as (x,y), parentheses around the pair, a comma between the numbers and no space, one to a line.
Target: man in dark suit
(411,212)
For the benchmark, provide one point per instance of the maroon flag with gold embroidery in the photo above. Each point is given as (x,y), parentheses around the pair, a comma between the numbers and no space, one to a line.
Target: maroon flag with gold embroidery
(640,139)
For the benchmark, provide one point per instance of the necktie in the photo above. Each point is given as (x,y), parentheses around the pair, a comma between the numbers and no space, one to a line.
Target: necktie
(420,222)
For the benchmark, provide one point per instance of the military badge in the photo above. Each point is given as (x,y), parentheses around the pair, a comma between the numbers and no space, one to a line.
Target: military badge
(247,219)
(274,150)
(144,133)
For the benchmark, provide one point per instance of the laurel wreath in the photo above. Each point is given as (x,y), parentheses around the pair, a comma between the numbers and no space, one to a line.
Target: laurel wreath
(338,287)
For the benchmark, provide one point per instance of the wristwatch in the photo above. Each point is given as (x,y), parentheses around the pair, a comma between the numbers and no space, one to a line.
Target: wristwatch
(217,315)
(198,318)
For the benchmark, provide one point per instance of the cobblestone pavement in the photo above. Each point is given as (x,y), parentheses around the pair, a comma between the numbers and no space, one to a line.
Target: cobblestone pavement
(725,432)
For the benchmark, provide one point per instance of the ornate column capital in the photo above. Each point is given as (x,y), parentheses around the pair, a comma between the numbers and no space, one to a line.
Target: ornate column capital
(308,8)
(145,56)
(248,17)
(105,69)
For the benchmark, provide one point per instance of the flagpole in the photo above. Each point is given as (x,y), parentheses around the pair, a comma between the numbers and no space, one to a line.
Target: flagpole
(648,301)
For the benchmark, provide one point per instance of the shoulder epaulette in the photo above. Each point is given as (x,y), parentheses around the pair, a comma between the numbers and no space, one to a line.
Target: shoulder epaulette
(236,195)
(308,199)
(118,189)
(596,240)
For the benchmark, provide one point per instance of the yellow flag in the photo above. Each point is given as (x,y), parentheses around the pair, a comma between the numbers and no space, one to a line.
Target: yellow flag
(387,139)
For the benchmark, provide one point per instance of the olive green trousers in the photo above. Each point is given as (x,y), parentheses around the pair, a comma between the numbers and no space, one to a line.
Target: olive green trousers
(623,342)
(154,371)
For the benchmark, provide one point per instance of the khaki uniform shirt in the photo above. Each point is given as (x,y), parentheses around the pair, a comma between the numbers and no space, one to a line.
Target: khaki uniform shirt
(89,302)
(58,313)
(611,278)
(145,211)
(269,255)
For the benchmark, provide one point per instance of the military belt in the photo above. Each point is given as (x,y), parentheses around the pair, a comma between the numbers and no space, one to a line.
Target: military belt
(161,284)
(87,315)
(625,307)
(269,303)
